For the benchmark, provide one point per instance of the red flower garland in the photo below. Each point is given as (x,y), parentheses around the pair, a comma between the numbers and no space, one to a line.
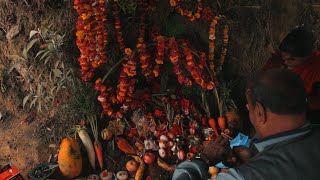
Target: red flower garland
(161,43)
(174,58)
(92,37)
(146,66)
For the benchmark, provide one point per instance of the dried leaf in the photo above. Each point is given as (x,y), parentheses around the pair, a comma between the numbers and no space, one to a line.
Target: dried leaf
(25,99)
(117,127)
(33,102)
(52,145)
(17,57)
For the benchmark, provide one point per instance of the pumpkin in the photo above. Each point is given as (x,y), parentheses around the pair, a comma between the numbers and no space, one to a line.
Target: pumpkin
(69,158)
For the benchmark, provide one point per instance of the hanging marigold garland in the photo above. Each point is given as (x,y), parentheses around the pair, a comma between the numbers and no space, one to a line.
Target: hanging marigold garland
(118,25)
(174,58)
(92,37)
(212,37)
(224,48)
(195,68)
(126,83)
(146,66)
(92,42)
(184,12)
(161,43)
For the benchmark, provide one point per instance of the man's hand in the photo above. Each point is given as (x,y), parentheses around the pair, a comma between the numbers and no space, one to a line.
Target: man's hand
(238,156)
(216,150)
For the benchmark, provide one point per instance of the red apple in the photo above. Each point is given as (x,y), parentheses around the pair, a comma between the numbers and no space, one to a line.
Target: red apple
(132,166)
(148,157)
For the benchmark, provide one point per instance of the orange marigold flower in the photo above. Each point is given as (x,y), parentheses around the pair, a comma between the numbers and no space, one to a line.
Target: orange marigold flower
(173,3)
(127,51)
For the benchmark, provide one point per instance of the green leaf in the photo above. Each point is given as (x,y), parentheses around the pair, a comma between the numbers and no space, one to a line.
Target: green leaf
(44,55)
(17,57)
(56,64)
(25,53)
(47,58)
(31,43)
(32,33)
(57,73)
(25,99)
(40,52)
(51,47)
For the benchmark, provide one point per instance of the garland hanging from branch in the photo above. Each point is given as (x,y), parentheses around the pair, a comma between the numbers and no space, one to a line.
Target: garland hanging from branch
(92,37)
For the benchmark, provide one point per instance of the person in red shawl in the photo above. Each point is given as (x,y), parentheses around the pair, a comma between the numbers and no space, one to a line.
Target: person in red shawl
(296,52)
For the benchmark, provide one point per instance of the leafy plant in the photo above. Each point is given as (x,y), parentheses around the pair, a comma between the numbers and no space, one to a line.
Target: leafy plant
(226,102)
(47,79)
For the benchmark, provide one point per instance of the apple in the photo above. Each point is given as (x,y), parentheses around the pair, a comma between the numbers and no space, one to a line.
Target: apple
(132,166)
(148,157)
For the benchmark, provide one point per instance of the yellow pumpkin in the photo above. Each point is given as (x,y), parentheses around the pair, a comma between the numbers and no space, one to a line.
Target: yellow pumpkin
(69,158)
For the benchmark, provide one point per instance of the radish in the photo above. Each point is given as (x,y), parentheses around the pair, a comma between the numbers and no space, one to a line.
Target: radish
(85,138)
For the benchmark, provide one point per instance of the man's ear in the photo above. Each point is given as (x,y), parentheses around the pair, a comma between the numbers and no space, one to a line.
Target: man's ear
(260,113)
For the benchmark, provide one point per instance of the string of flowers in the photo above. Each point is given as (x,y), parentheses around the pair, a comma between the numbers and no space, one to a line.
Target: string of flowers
(92,37)
(174,58)
(146,66)
(184,12)
(224,48)
(118,25)
(195,70)
(161,43)
(124,92)
(212,37)
(126,84)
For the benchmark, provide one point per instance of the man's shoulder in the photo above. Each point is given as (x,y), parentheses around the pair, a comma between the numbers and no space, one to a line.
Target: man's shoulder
(294,158)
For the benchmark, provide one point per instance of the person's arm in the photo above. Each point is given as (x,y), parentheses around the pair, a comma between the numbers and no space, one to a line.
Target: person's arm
(191,170)
(213,153)
(231,174)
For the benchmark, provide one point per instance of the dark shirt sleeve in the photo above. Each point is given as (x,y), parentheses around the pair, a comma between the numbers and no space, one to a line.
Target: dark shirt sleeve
(191,170)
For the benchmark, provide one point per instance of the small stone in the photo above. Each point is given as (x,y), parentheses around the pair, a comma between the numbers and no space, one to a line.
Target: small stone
(13,32)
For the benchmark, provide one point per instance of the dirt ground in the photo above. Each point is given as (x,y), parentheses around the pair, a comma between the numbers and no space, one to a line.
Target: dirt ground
(256,29)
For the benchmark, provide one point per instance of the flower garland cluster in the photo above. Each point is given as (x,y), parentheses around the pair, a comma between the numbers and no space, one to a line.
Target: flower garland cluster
(161,43)
(184,12)
(124,93)
(224,48)
(195,71)
(125,89)
(174,58)
(92,37)
(106,98)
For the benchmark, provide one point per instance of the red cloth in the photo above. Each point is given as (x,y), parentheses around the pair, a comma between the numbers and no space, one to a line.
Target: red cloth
(309,72)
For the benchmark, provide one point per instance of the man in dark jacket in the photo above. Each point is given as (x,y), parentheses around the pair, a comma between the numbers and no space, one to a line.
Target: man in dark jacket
(286,147)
